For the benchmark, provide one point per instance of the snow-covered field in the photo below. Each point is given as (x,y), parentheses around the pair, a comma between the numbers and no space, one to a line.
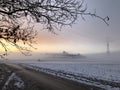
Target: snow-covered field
(101,74)
(109,72)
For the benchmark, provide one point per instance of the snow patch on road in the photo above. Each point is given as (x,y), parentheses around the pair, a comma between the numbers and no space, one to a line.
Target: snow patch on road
(18,82)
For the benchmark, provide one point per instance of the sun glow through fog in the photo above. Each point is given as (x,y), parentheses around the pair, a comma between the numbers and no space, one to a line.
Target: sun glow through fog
(82,37)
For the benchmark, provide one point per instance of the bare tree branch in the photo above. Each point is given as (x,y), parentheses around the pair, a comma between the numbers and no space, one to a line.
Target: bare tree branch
(53,14)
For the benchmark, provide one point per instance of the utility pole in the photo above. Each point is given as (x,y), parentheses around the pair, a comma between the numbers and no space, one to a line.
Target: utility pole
(108,47)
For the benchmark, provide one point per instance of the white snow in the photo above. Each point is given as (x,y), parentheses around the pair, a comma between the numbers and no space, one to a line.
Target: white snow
(18,82)
(109,72)
(92,70)
(8,81)
(81,72)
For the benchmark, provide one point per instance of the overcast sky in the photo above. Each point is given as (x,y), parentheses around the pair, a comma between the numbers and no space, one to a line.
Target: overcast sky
(87,36)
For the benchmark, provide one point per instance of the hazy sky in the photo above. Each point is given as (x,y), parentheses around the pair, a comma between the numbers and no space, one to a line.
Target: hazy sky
(87,36)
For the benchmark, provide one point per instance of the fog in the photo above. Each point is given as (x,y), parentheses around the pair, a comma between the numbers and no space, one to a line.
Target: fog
(60,57)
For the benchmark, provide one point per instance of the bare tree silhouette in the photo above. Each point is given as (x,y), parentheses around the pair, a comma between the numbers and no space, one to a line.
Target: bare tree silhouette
(16,15)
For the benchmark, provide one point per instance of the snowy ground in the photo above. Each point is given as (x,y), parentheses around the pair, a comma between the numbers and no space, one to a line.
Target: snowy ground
(9,80)
(106,76)
(101,71)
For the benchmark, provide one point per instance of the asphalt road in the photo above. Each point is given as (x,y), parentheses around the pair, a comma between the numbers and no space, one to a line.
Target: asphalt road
(49,82)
